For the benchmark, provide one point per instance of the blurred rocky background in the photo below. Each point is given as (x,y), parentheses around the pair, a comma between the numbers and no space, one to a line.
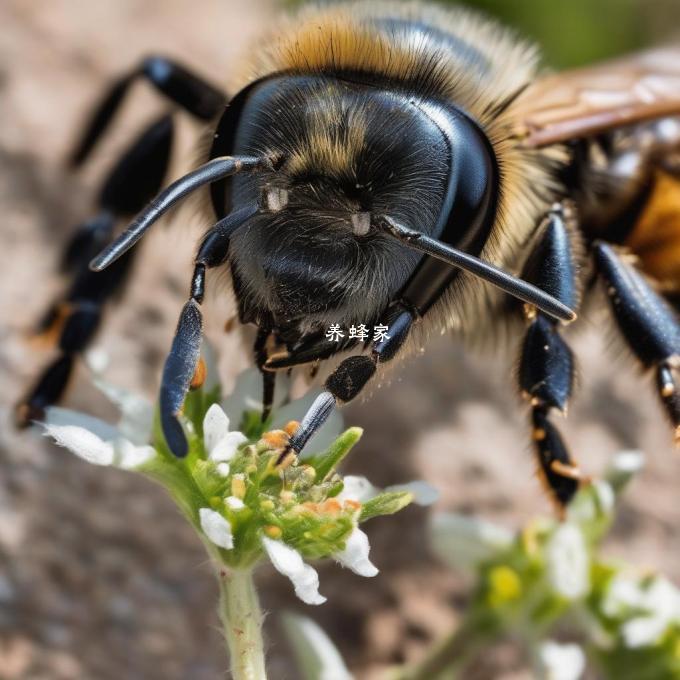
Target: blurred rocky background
(99,576)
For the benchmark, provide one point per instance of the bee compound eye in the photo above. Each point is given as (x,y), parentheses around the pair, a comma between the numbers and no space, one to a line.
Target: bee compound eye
(361,223)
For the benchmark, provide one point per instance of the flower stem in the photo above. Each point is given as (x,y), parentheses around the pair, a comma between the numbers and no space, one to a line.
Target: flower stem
(455,652)
(242,620)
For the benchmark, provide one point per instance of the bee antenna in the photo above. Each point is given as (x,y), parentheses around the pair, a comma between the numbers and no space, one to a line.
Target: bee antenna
(523,290)
(213,170)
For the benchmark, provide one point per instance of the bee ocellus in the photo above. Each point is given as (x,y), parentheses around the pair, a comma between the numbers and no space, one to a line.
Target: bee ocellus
(403,165)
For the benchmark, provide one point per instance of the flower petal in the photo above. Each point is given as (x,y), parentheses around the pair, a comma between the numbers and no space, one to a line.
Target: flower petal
(128,456)
(355,554)
(136,420)
(216,528)
(85,444)
(226,447)
(568,562)
(623,594)
(234,503)
(223,469)
(562,661)
(643,631)
(215,427)
(357,488)
(289,562)
(55,415)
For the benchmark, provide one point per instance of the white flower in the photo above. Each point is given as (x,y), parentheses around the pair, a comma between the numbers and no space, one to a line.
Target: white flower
(94,440)
(624,465)
(605,496)
(355,554)
(216,528)
(233,502)
(223,469)
(623,594)
(658,604)
(357,488)
(136,419)
(643,631)
(562,661)
(305,579)
(220,444)
(568,562)
(124,445)
(289,562)
(360,489)
(464,541)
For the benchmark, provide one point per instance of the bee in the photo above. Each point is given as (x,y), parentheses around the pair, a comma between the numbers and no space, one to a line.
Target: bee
(404,165)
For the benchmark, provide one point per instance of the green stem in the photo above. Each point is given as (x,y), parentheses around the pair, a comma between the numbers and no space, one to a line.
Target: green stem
(242,620)
(455,652)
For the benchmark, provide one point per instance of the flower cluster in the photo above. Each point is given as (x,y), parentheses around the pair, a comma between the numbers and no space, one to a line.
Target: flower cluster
(551,573)
(244,502)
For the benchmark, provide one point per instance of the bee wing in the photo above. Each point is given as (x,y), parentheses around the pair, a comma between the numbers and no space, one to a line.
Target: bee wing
(582,102)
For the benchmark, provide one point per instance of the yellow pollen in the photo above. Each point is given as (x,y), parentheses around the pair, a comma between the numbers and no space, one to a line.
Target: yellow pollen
(273,531)
(238,487)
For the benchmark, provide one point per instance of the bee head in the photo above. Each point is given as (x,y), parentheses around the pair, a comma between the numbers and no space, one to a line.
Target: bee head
(349,153)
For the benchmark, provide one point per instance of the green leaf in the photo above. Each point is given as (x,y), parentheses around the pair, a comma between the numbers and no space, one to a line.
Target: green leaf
(385,504)
(317,656)
(325,463)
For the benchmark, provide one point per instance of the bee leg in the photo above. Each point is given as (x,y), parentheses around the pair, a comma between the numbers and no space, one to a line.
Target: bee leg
(268,377)
(546,376)
(647,322)
(546,367)
(352,375)
(313,349)
(74,318)
(182,363)
(175,82)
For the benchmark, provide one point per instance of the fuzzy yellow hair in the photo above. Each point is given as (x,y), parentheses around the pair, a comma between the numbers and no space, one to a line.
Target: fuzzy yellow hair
(448,53)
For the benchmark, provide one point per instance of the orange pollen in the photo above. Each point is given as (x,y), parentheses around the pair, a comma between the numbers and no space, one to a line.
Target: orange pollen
(276,439)
(352,505)
(291,427)
(199,375)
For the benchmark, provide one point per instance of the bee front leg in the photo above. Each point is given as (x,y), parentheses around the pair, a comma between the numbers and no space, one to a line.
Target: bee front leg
(546,367)
(647,322)
(182,366)
(351,376)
